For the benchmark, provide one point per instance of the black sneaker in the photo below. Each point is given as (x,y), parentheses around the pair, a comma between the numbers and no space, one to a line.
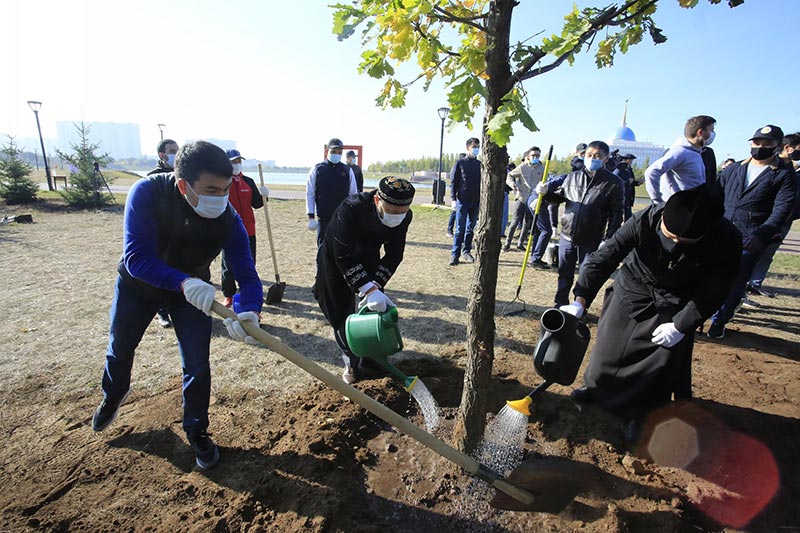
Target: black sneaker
(760,291)
(520,248)
(205,451)
(106,413)
(450,234)
(453,260)
(716,331)
(540,264)
(506,248)
(467,257)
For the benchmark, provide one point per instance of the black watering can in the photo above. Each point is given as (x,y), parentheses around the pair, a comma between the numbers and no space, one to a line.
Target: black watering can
(558,355)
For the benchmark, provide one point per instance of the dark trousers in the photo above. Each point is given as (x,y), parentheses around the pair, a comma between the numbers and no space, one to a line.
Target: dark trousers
(504,216)
(762,267)
(322,223)
(568,254)
(552,210)
(341,339)
(627,212)
(746,267)
(451,221)
(541,235)
(466,216)
(523,218)
(130,316)
(228,280)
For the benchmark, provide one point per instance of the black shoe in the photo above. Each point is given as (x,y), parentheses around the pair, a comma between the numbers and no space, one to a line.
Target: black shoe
(453,260)
(540,264)
(106,413)
(206,453)
(716,331)
(581,395)
(760,291)
(163,319)
(520,248)
(506,248)
(450,234)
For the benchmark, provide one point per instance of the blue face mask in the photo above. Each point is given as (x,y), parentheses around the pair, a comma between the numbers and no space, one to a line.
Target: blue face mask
(171,160)
(334,158)
(475,152)
(534,160)
(592,165)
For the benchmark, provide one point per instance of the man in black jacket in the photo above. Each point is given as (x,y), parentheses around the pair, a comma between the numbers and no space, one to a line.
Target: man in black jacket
(465,193)
(625,173)
(593,200)
(759,194)
(359,175)
(349,261)
(328,184)
(679,262)
(167,149)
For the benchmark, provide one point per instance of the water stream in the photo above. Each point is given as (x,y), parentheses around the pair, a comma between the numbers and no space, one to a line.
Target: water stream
(427,404)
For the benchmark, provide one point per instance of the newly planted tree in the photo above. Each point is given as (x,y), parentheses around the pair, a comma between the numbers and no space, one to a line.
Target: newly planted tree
(87,187)
(466,43)
(16,186)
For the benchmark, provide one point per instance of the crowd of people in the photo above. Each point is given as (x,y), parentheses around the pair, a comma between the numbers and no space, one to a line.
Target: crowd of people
(706,238)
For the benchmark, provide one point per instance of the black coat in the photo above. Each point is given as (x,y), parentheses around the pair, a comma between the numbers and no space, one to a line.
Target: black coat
(686,285)
(350,255)
(593,205)
(763,208)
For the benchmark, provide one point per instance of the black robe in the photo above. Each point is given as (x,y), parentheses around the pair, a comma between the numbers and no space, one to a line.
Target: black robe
(659,282)
(350,255)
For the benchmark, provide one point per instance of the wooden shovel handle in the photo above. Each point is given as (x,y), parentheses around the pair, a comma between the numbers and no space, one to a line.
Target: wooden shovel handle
(269,227)
(378,409)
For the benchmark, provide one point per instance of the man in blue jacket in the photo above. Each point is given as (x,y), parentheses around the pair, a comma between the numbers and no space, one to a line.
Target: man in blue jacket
(465,193)
(759,195)
(175,225)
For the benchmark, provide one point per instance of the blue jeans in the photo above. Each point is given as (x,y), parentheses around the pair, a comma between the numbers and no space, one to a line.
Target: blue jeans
(746,267)
(568,254)
(761,269)
(451,222)
(504,218)
(466,215)
(541,234)
(130,316)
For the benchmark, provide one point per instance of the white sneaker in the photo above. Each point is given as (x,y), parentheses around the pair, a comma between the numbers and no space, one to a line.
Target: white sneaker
(349,375)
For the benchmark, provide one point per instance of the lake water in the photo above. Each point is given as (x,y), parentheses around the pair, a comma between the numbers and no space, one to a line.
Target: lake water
(296,178)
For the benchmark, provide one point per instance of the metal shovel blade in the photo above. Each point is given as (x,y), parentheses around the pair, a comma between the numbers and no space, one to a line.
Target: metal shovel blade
(275,293)
(553,483)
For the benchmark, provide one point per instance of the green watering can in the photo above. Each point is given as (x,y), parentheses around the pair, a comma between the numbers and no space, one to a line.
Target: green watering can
(377,336)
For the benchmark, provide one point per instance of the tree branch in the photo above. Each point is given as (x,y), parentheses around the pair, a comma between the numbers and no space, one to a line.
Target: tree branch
(632,16)
(446,16)
(440,47)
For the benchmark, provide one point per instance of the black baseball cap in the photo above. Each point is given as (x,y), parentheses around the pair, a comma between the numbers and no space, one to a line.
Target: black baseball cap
(351,153)
(773,133)
(628,156)
(581,147)
(335,143)
(233,154)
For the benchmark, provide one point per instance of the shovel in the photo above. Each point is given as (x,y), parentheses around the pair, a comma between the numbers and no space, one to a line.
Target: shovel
(535,488)
(275,292)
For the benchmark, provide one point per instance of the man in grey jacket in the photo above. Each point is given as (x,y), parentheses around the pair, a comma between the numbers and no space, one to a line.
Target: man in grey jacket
(522,181)
(681,167)
(593,199)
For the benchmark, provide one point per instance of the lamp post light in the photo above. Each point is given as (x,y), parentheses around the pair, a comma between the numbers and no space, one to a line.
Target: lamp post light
(161,130)
(35,107)
(438,189)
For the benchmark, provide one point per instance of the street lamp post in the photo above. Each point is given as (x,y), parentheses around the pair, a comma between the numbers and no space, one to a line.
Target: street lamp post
(35,107)
(438,190)
(161,130)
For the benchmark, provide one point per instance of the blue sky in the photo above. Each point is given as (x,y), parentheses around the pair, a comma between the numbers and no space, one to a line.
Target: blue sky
(271,75)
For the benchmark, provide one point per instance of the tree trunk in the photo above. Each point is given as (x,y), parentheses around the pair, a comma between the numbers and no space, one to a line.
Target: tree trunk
(471,419)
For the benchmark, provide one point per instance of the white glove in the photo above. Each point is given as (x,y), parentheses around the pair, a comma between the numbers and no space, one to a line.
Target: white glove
(312,224)
(666,335)
(376,301)
(235,329)
(199,293)
(575,309)
(264,190)
(542,188)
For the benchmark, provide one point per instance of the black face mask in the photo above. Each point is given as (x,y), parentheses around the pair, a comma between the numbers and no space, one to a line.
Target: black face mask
(667,244)
(795,155)
(762,153)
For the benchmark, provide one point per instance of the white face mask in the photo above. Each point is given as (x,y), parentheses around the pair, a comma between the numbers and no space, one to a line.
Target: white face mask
(171,160)
(710,139)
(475,151)
(390,220)
(237,168)
(334,158)
(209,206)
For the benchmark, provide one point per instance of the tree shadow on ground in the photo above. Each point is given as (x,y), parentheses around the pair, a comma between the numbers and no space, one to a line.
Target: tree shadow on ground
(442,246)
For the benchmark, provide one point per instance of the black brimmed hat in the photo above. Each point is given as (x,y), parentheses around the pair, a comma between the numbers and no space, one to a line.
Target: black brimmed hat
(335,143)
(691,213)
(773,133)
(396,191)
